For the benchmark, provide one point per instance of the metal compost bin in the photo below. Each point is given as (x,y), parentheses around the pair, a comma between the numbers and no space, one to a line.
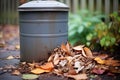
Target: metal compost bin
(43,26)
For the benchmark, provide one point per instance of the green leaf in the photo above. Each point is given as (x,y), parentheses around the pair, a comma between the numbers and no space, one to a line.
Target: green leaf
(113,40)
(80,29)
(102,41)
(72,33)
(29,76)
(107,43)
(89,37)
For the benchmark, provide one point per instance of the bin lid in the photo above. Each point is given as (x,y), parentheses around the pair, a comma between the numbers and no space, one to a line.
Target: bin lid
(43,6)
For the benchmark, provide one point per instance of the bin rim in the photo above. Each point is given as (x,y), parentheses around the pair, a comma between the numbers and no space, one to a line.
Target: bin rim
(43,6)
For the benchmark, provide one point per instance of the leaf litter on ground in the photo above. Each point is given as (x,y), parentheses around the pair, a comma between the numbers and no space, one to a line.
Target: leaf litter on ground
(74,62)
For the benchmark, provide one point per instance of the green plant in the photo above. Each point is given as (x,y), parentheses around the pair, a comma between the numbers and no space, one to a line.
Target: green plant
(108,35)
(87,28)
(81,27)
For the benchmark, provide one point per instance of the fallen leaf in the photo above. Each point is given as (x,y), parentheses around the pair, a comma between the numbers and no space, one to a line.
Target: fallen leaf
(32,65)
(66,48)
(98,70)
(56,59)
(16,72)
(78,76)
(17,47)
(103,56)
(77,64)
(63,47)
(10,57)
(39,71)
(29,76)
(88,52)
(111,62)
(99,60)
(50,58)
(78,67)
(80,48)
(72,71)
(69,58)
(47,66)
(108,62)
(63,63)
(57,71)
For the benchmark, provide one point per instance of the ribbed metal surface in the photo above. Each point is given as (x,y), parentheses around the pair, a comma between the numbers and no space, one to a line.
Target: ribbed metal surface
(41,32)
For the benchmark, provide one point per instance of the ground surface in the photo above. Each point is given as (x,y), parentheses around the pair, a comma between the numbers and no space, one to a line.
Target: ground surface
(11,50)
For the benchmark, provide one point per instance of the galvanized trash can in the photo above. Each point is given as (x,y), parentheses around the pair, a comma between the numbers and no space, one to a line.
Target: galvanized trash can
(43,26)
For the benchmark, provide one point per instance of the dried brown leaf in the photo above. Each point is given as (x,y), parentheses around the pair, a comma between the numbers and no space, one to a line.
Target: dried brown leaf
(80,48)
(63,47)
(69,58)
(16,72)
(66,48)
(111,62)
(51,58)
(39,71)
(72,71)
(99,60)
(98,70)
(17,46)
(57,71)
(88,52)
(63,62)
(47,66)
(32,65)
(108,62)
(56,59)
(103,56)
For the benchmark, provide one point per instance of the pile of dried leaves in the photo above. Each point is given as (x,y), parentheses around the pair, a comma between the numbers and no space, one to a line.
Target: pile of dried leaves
(74,62)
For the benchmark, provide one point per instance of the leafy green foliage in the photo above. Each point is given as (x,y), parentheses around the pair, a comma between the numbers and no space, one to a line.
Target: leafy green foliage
(81,27)
(109,34)
(29,76)
(87,28)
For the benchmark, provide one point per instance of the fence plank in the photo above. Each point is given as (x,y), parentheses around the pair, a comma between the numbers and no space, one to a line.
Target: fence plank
(107,9)
(17,18)
(9,7)
(13,11)
(99,6)
(68,2)
(4,11)
(115,5)
(8,16)
(83,4)
(1,7)
(91,5)
(75,6)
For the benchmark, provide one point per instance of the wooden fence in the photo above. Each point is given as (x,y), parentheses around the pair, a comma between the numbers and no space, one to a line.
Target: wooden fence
(9,13)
